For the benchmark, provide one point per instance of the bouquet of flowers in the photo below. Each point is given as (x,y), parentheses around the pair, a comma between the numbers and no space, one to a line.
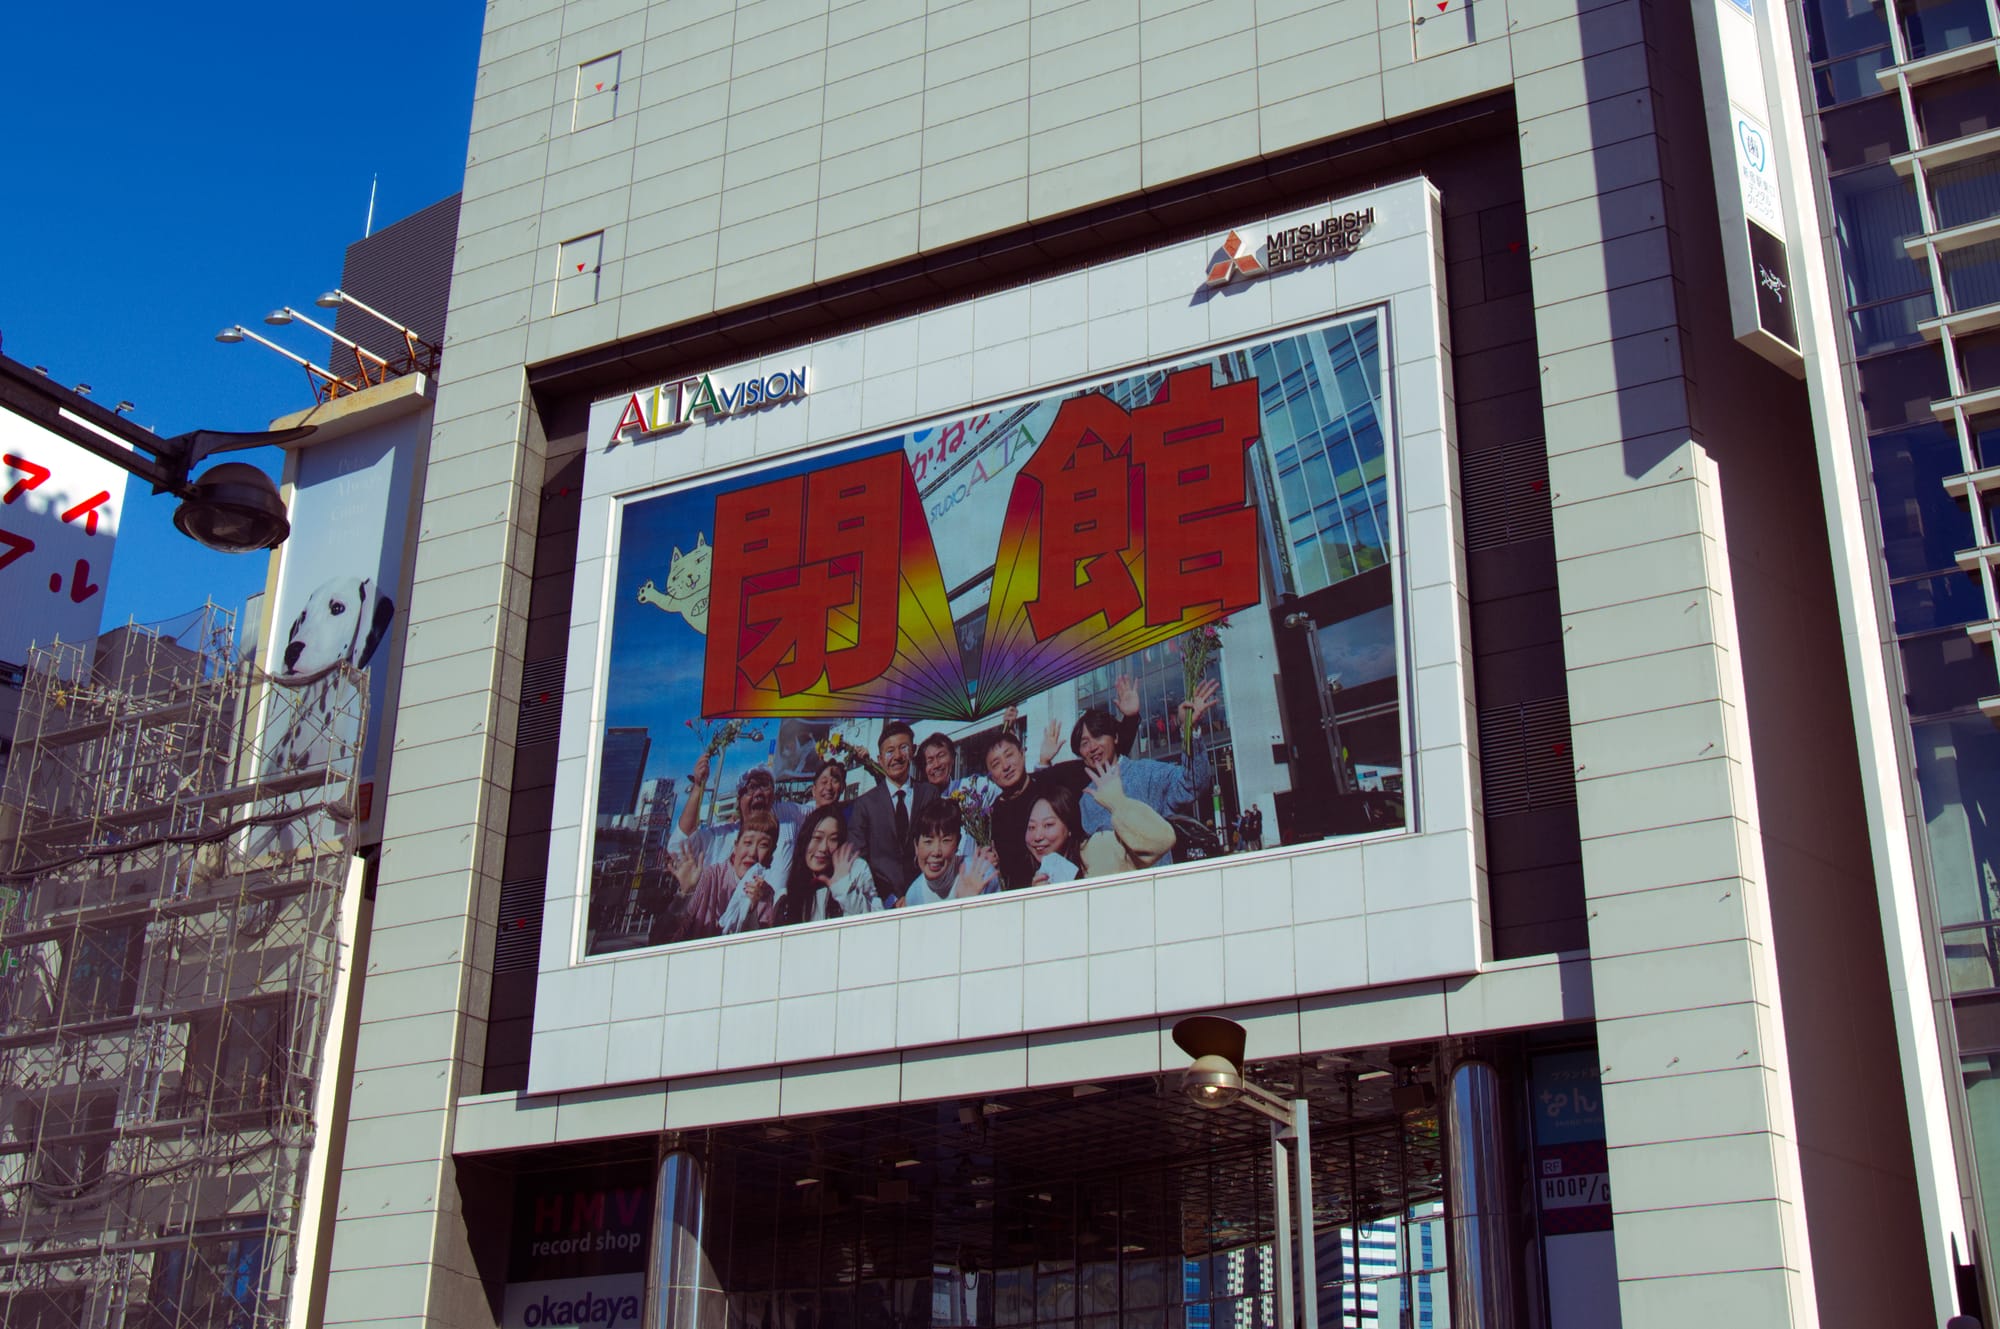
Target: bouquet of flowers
(975,796)
(719,734)
(835,748)
(1198,646)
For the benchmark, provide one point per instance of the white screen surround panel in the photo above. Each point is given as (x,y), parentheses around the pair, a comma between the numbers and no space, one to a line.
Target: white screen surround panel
(1284,923)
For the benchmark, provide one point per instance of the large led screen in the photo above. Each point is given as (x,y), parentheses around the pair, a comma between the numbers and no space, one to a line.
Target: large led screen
(1137,623)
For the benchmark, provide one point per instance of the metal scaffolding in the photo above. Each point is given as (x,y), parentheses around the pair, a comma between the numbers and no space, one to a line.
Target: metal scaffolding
(170,894)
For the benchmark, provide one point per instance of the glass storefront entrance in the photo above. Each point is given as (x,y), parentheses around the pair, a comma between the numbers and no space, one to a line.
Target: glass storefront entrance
(1111,1205)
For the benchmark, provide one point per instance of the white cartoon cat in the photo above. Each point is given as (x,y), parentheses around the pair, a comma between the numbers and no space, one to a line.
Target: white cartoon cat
(687,585)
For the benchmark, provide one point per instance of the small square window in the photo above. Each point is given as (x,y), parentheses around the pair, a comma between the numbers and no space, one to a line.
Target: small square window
(577,263)
(1441,25)
(596,92)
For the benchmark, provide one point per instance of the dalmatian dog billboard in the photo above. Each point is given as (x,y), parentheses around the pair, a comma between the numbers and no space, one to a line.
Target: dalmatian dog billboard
(342,622)
(334,616)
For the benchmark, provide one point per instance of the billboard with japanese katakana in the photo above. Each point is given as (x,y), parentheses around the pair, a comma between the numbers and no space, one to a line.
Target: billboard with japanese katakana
(59,508)
(1132,623)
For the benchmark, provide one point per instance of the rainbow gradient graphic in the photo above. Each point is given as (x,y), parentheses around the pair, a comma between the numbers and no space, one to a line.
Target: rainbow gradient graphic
(827,600)
(1124,531)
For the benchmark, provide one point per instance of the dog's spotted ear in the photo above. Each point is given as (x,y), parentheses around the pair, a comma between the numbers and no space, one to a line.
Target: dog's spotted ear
(385,614)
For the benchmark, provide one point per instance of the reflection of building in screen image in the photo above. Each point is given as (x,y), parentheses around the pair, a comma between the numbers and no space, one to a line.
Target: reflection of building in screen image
(1122,571)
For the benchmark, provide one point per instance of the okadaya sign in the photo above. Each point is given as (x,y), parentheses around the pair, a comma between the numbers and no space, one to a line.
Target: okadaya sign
(578,1251)
(608,1301)
(669,406)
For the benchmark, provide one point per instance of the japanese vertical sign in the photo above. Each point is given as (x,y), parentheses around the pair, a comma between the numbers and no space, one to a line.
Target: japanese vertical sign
(1034,589)
(1732,45)
(1573,1189)
(59,508)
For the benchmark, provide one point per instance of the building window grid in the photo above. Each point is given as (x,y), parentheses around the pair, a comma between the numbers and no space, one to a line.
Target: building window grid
(1907,20)
(1922,30)
(1331,470)
(1917,34)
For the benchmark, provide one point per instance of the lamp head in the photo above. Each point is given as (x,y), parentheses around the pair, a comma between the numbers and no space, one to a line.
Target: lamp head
(331,299)
(234,508)
(1201,1035)
(1212,1082)
(278,318)
(1215,1080)
(229,336)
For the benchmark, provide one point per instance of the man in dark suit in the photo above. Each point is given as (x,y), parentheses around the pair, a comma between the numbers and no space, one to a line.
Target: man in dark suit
(879,823)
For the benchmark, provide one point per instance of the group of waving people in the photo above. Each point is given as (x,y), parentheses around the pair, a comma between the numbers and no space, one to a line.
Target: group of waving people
(905,843)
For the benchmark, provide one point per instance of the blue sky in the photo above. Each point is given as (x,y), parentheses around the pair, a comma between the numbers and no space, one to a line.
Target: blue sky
(173,169)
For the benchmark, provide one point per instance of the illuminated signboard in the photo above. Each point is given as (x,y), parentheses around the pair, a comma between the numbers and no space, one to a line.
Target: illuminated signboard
(1150,620)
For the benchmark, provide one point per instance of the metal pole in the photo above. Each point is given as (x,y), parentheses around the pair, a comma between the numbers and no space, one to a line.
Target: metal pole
(1482,1270)
(682,1289)
(1308,1255)
(1281,1195)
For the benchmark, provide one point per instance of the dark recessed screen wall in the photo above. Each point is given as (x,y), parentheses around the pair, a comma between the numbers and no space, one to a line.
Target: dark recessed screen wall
(1534,859)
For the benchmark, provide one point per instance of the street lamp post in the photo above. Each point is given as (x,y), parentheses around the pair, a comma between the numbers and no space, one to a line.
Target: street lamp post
(326,384)
(233,507)
(1216,1081)
(423,357)
(285,316)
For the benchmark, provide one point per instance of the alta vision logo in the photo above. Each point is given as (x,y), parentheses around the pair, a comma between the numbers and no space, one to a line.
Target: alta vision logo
(675,405)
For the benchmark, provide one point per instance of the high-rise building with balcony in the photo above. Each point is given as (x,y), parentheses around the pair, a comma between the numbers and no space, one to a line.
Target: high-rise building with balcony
(1905,109)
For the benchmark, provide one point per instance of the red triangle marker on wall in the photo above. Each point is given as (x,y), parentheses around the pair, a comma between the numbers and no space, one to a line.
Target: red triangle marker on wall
(1442,4)
(600,87)
(579,267)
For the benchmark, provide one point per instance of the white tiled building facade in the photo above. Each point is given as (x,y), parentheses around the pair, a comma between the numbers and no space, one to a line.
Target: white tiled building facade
(1645,811)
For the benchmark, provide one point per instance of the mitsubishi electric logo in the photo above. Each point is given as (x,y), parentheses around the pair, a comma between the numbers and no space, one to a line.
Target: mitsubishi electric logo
(1332,237)
(1234,262)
